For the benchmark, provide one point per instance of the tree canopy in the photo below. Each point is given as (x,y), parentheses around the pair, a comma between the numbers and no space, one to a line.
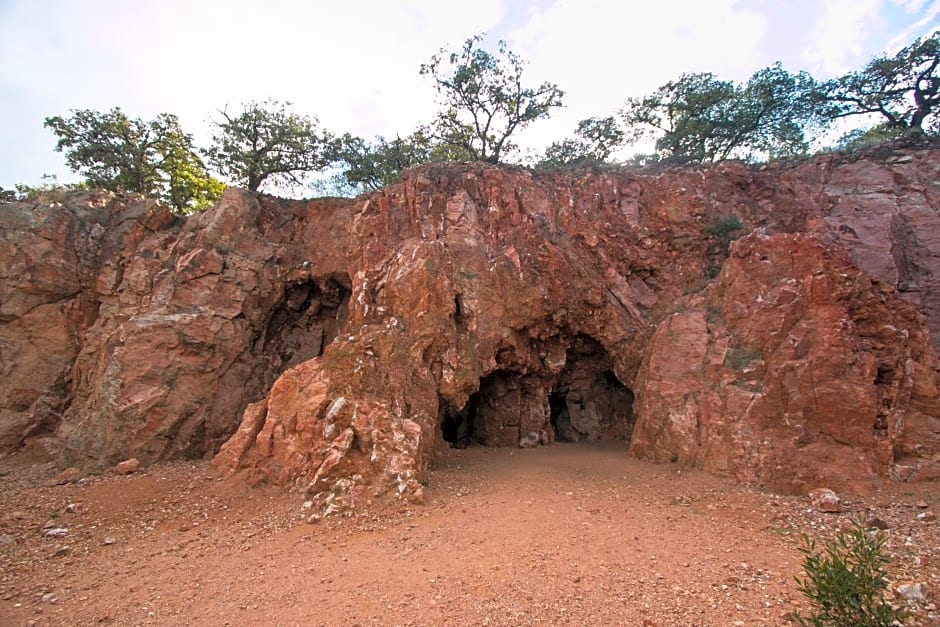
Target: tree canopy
(699,118)
(593,142)
(268,143)
(484,104)
(483,100)
(122,154)
(904,89)
(371,166)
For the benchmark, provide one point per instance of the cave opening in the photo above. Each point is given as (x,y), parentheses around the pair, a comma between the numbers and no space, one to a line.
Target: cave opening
(587,401)
(301,324)
(457,423)
(584,402)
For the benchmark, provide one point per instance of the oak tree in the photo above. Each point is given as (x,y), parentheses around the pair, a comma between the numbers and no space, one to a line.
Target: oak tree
(267,143)
(484,102)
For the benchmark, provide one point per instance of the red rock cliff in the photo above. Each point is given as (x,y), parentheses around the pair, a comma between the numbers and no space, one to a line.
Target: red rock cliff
(335,344)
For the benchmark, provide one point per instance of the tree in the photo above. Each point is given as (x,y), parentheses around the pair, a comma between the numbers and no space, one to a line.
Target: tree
(483,100)
(267,143)
(699,118)
(862,138)
(903,89)
(189,188)
(372,166)
(121,154)
(775,112)
(688,117)
(593,142)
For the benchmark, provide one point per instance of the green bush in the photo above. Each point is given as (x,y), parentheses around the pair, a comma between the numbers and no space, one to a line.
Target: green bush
(846,581)
(724,227)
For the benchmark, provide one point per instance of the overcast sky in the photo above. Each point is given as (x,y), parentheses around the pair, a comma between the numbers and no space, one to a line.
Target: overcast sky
(354,65)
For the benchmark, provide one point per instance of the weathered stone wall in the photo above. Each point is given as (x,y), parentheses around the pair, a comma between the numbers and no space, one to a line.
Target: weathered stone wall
(335,344)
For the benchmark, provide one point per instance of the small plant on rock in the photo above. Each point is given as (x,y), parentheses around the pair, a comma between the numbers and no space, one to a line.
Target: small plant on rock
(845,582)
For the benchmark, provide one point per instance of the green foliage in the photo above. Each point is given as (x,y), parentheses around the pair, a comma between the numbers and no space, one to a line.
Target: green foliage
(121,154)
(862,138)
(903,89)
(483,100)
(267,143)
(372,166)
(699,118)
(190,189)
(50,190)
(725,229)
(593,142)
(846,581)
(739,358)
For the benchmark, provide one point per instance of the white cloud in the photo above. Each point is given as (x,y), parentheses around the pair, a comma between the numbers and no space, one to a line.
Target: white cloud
(352,64)
(926,24)
(837,41)
(603,51)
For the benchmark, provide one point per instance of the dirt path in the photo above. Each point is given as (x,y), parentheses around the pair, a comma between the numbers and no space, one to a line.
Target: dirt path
(569,534)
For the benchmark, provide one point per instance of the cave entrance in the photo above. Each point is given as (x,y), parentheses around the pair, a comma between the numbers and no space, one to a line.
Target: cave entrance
(457,424)
(508,409)
(588,402)
(301,325)
(584,402)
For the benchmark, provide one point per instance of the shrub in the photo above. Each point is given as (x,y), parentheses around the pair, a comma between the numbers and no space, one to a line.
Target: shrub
(724,226)
(845,581)
(725,229)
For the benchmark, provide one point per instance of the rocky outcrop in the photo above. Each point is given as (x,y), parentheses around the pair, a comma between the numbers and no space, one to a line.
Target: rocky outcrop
(338,344)
(793,370)
(130,332)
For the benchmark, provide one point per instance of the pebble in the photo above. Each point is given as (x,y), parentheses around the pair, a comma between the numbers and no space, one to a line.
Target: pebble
(128,466)
(49,597)
(69,475)
(56,532)
(7,539)
(825,500)
(913,591)
(926,517)
(108,541)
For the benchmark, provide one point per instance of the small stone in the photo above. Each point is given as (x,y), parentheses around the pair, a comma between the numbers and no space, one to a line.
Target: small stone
(913,591)
(127,467)
(56,532)
(71,508)
(108,541)
(69,475)
(419,497)
(926,517)
(62,551)
(49,597)
(7,539)
(877,523)
(923,504)
(825,500)
(530,441)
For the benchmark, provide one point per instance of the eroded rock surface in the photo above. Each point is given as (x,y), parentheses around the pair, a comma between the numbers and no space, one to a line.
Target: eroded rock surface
(337,344)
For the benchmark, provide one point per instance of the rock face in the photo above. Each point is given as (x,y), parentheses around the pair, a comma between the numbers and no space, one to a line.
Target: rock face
(338,344)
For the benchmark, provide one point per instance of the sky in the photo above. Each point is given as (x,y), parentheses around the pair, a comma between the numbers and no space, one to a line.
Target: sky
(354,64)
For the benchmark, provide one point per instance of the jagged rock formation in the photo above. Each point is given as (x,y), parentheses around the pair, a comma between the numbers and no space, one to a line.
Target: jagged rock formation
(337,344)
